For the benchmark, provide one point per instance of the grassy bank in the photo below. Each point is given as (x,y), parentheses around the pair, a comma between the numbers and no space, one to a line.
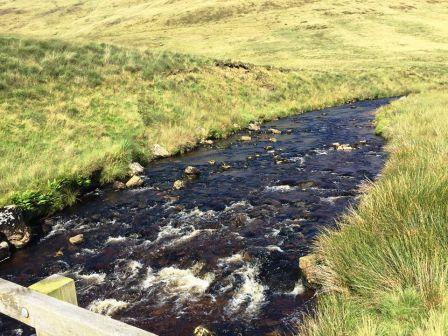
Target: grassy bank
(69,110)
(386,267)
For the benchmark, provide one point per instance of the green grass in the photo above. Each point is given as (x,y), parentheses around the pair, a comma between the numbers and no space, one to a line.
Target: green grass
(386,265)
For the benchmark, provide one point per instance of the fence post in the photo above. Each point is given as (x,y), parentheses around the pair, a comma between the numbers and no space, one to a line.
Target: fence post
(58,287)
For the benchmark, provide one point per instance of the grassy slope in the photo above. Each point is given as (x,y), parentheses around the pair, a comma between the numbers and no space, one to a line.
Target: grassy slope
(388,261)
(306,34)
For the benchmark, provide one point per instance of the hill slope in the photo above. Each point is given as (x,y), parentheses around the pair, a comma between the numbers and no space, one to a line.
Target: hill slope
(311,34)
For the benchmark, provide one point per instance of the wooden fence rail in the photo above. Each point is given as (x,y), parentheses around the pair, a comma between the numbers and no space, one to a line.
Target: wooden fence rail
(52,317)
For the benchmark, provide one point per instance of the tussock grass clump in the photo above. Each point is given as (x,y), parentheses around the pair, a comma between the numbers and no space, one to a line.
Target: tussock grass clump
(386,266)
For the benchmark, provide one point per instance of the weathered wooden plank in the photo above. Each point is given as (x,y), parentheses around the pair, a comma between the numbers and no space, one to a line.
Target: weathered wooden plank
(58,318)
(58,287)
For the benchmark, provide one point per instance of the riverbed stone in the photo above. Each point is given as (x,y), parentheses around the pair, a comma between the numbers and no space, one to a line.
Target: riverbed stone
(254,127)
(202,331)
(272,139)
(136,168)
(178,184)
(13,226)
(192,171)
(134,181)
(160,151)
(76,240)
(245,138)
(118,185)
(274,131)
(225,166)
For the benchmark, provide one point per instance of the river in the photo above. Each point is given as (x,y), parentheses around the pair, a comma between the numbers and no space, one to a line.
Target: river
(223,251)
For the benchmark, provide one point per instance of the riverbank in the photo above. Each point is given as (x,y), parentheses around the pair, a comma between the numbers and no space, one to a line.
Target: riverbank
(384,270)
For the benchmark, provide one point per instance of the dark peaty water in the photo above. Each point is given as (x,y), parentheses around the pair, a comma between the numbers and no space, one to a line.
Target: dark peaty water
(222,252)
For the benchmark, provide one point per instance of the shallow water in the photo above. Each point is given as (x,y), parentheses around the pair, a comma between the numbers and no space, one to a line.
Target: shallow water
(222,252)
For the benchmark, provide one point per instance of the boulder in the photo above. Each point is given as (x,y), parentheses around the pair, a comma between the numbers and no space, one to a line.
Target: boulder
(13,226)
(211,162)
(273,140)
(134,181)
(76,240)
(136,168)
(274,131)
(193,171)
(178,184)
(245,138)
(308,266)
(5,253)
(159,151)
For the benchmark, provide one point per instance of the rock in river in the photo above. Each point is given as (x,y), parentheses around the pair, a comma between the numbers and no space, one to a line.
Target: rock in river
(76,240)
(13,226)
(136,168)
(275,131)
(254,127)
(190,170)
(118,185)
(178,184)
(245,138)
(134,181)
